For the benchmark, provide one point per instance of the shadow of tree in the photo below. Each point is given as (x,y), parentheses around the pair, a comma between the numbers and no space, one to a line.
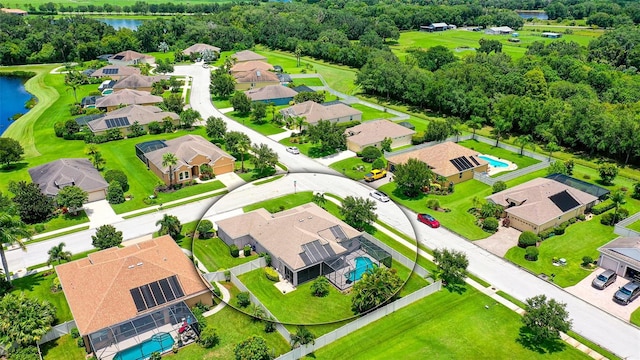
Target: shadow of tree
(458,288)
(527,339)
(13,167)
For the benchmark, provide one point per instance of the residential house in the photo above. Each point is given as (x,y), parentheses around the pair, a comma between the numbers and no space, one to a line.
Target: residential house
(372,133)
(55,175)
(541,203)
(454,162)
(314,112)
(124,117)
(255,79)
(192,151)
(200,48)
(130,57)
(18,12)
(115,72)
(435,27)
(121,298)
(138,82)
(127,97)
(247,55)
(499,30)
(622,255)
(251,66)
(276,94)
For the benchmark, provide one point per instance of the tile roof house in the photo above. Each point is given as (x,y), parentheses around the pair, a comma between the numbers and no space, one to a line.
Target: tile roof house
(251,65)
(541,204)
(300,241)
(126,116)
(200,48)
(115,72)
(450,160)
(622,255)
(372,133)
(127,97)
(247,55)
(121,297)
(192,151)
(314,112)
(53,176)
(255,78)
(138,82)
(276,94)
(130,57)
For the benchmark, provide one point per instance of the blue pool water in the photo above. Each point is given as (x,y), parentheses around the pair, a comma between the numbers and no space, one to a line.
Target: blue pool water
(159,342)
(493,162)
(362,265)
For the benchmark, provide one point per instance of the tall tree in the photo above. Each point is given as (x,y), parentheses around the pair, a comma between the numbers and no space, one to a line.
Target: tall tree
(216,128)
(608,172)
(545,319)
(72,197)
(302,336)
(523,141)
(412,176)
(12,231)
(24,320)
(259,112)
(238,143)
(10,151)
(264,158)
(222,84)
(95,156)
(33,206)
(500,127)
(376,287)
(169,160)
(106,236)
(73,80)
(169,224)
(58,254)
(358,212)
(329,135)
(475,123)
(241,103)
(551,148)
(300,122)
(452,265)
(189,117)
(618,198)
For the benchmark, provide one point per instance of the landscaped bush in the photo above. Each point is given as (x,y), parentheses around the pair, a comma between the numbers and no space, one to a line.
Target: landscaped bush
(320,287)
(271,274)
(499,186)
(227,275)
(243,299)
(267,258)
(573,220)
(417,138)
(559,230)
(24,353)
(80,342)
(119,176)
(582,217)
(39,228)
(370,153)
(378,164)
(247,250)
(269,326)
(587,261)
(204,228)
(155,356)
(490,224)
(209,338)
(233,249)
(433,204)
(611,219)
(603,207)
(215,289)
(527,238)
(546,234)
(531,253)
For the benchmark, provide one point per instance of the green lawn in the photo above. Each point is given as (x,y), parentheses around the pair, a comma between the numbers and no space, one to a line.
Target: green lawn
(63,348)
(221,103)
(369,113)
(214,254)
(282,202)
(314,81)
(459,220)
(635,317)
(635,226)
(350,166)
(62,221)
(443,325)
(580,239)
(38,286)
(484,148)
(266,128)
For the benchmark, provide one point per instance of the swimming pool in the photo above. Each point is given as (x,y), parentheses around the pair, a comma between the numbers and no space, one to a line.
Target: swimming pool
(362,265)
(160,342)
(493,162)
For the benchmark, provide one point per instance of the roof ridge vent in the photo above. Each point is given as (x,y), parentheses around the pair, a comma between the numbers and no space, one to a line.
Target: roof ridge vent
(139,264)
(131,266)
(301,220)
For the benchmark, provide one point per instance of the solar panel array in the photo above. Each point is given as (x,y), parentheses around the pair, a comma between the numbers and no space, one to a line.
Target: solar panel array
(110,71)
(474,160)
(461,163)
(118,57)
(156,293)
(315,252)
(117,122)
(338,233)
(564,201)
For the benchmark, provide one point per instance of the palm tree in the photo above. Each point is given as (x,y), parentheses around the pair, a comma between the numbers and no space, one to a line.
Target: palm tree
(242,146)
(298,53)
(617,197)
(456,129)
(474,124)
(319,199)
(302,336)
(96,156)
(57,253)
(169,160)
(73,80)
(299,122)
(169,224)
(523,141)
(552,147)
(12,231)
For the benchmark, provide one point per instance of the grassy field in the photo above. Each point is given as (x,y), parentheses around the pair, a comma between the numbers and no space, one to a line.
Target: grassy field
(443,325)
(282,202)
(369,113)
(484,148)
(457,40)
(314,81)
(38,286)
(214,254)
(61,221)
(266,128)
(635,317)
(635,226)
(63,348)
(350,166)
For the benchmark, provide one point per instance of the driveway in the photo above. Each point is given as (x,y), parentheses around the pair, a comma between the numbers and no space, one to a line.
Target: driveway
(100,213)
(328,160)
(603,298)
(231,180)
(500,242)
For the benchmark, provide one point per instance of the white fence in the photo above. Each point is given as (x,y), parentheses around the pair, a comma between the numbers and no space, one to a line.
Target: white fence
(236,270)
(622,229)
(57,331)
(365,320)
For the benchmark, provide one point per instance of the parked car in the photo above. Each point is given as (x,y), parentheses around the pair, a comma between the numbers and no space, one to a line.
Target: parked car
(379,195)
(375,174)
(629,292)
(605,279)
(429,220)
(294,150)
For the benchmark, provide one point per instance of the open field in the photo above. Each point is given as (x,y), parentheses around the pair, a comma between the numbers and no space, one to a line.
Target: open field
(443,325)
(369,113)
(460,39)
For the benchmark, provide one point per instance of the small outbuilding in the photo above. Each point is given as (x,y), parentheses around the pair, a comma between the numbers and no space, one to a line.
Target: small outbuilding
(435,27)
(551,35)
(499,30)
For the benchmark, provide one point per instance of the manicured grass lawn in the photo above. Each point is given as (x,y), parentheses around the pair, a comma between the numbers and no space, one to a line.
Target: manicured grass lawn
(369,113)
(483,148)
(442,325)
(221,103)
(459,220)
(349,167)
(214,254)
(580,239)
(635,317)
(38,286)
(63,221)
(635,226)
(314,81)
(282,202)
(63,348)
(266,128)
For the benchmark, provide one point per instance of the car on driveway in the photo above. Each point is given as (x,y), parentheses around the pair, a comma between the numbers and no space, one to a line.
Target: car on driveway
(429,220)
(629,292)
(294,150)
(375,174)
(379,195)
(605,279)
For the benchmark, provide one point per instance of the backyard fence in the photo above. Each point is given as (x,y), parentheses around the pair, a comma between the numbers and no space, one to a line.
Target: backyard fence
(236,270)
(57,331)
(622,229)
(403,260)
(361,322)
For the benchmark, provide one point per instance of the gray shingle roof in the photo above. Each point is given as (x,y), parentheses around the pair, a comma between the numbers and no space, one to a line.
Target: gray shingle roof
(136,81)
(200,48)
(314,112)
(53,176)
(185,148)
(247,55)
(128,97)
(375,131)
(270,92)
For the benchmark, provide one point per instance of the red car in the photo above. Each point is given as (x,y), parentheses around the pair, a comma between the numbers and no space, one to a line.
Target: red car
(429,220)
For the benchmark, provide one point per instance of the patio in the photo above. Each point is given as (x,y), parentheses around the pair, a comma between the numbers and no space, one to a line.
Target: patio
(343,267)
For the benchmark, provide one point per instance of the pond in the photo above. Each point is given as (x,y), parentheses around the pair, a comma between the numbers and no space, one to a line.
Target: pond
(540,15)
(122,23)
(14,98)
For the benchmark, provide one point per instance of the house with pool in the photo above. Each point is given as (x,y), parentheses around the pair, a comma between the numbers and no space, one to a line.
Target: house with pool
(129,302)
(306,242)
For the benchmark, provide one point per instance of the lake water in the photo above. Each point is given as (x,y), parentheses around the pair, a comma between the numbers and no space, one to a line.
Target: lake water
(13,99)
(122,23)
(540,15)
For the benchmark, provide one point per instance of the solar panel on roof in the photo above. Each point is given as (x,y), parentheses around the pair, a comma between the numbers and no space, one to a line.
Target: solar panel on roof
(474,160)
(157,293)
(461,163)
(466,162)
(175,286)
(456,164)
(146,294)
(118,57)
(110,71)
(166,289)
(137,299)
(564,201)
(117,122)
(338,233)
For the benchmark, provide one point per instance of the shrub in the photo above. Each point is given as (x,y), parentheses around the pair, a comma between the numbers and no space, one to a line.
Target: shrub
(269,326)
(499,186)
(247,250)
(227,275)
(531,253)
(607,219)
(417,138)
(24,353)
(155,356)
(271,274)
(433,204)
(119,176)
(80,342)
(582,217)
(235,252)
(603,207)
(203,229)
(378,164)
(527,238)
(75,333)
(115,195)
(215,290)
(490,224)
(573,220)
(546,234)
(267,258)
(370,153)
(587,260)
(243,299)
(320,287)
(636,191)
(209,338)
(39,228)
(559,230)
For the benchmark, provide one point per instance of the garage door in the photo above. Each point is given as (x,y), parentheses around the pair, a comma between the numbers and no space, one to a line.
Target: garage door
(223,169)
(97,195)
(609,263)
